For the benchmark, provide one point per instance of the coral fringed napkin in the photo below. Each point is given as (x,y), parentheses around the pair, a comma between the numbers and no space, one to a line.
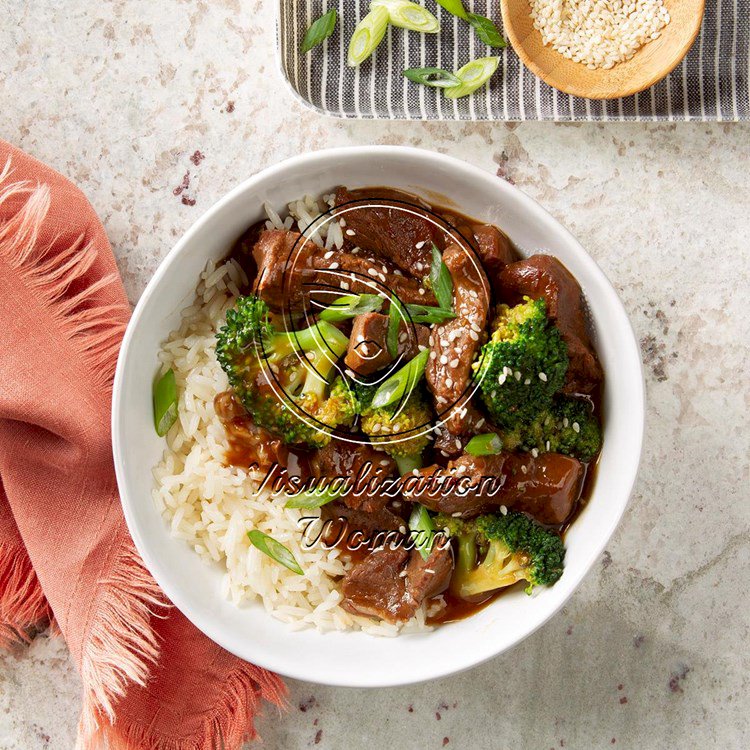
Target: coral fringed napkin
(150,679)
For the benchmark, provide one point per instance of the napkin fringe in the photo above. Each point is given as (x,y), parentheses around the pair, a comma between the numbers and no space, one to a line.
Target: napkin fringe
(95,329)
(23,605)
(226,726)
(121,646)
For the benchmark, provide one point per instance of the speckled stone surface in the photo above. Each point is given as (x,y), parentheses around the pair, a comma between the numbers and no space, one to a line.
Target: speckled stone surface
(157,109)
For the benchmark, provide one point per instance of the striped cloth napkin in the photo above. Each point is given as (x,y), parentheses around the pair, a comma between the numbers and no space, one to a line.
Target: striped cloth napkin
(151,681)
(711,83)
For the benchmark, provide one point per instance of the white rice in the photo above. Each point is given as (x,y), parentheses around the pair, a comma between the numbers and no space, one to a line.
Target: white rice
(212,506)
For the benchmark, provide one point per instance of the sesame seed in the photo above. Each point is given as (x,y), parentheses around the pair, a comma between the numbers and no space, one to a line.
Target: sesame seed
(344,285)
(566,421)
(421,291)
(501,379)
(454,362)
(402,574)
(402,529)
(372,272)
(333,266)
(527,381)
(547,446)
(517,375)
(355,251)
(535,453)
(430,571)
(342,222)
(474,335)
(524,469)
(419,245)
(421,347)
(433,355)
(443,360)
(576,427)
(350,233)
(448,382)
(503,510)
(457,514)
(543,377)
(328,255)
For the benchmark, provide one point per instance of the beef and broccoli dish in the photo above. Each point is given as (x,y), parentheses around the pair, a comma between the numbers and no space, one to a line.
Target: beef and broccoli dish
(411,351)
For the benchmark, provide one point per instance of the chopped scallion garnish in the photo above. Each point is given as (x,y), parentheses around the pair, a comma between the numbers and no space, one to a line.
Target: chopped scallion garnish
(395,316)
(367,35)
(351,305)
(486,30)
(275,550)
(312,499)
(428,314)
(456,7)
(440,279)
(319,31)
(423,530)
(401,383)
(436,77)
(408,15)
(165,402)
(485,445)
(473,75)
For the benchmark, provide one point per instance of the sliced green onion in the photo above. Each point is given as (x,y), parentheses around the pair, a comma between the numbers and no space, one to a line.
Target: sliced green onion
(401,382)
(312,499)
(473,75)
(275,550)
(429,314)
(440,278)
(319,30)
(436,77)
(367,35)
(407,464)
(486,30)
(395,316)
(351,305)
(407,15)
(456,7)
(485,445)
(423,527)
(165,402)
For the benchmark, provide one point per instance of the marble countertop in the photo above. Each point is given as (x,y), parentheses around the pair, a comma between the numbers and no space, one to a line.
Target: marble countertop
(134,101)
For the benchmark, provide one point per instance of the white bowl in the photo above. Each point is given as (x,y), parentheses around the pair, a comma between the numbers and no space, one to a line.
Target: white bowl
(354,658)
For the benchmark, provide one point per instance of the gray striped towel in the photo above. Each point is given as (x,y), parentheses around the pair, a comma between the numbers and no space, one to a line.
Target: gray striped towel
(711,83)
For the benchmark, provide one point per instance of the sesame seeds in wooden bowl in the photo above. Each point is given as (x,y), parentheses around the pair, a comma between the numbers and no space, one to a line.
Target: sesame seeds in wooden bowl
(602,49)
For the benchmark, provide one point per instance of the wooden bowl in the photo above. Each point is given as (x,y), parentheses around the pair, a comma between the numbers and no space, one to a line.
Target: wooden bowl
(650,64)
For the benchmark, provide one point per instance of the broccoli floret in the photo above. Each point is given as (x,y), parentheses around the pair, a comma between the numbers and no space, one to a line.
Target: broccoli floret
(250,344)
(523,365)
(568,426)
(400,432)
(495,551)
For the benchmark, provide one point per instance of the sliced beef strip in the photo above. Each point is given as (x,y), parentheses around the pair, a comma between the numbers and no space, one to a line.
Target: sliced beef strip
(495,250)
(392,583)
(375,587)
(454,344)
(546,487)
(282,258)
(358,272)
(360,462)
(403,237)
(544,276)
(430,577)
(368,346)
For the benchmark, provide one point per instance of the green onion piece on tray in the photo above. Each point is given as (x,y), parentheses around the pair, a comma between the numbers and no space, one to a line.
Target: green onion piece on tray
(402,382)
(423,528)
(428,314)
(436,77)
(319,30)
(275,550)
(165,402)
(367,35)
(395,316)
(351,305)
(473,75)
(456,7)
(440,277)
(408,15)
(486,30)
(484,445)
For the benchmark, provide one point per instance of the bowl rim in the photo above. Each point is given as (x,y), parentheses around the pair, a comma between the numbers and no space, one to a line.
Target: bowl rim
(207,624)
